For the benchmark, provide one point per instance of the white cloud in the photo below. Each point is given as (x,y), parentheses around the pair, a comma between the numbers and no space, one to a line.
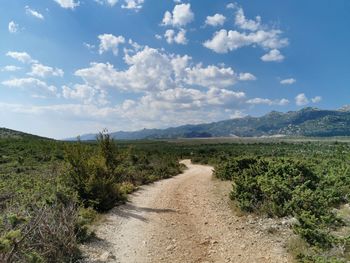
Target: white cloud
(165,85)
(185,98)
(256,101)
(13,27)
(274,55)
(242,22)
(40,70)
(179,38)
(37,69)
(213,76)
(224,41)
(33,13)
(157,36)
(132,48)
(30,83)
(68,4)
(301,100)
(152,70)
(231,6)
(81,92)
(215,20)
(288,81)
(23,57)
(107,2)
(316,99)
(133,4)
(181,16)
(194,106)
(246,76)
(110,42)
(254,33)
(86,94)
(10,68)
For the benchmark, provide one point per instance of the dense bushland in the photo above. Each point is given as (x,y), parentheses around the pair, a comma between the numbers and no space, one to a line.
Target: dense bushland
(50,191)
(308,189)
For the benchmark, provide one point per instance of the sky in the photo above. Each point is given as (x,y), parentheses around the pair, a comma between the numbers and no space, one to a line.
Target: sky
(70,67)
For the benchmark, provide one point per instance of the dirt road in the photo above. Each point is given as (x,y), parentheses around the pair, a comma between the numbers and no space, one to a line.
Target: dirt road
(187,218)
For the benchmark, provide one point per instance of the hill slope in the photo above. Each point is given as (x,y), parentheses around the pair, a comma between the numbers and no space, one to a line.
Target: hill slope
(12,134)
(306,122)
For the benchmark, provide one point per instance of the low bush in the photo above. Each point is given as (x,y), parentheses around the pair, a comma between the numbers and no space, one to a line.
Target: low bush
(307,190)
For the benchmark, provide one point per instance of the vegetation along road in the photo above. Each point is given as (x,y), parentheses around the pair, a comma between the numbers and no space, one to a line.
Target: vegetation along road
(186,218)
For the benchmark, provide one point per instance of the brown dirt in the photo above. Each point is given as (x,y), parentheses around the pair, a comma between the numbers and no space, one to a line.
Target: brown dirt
(188,218)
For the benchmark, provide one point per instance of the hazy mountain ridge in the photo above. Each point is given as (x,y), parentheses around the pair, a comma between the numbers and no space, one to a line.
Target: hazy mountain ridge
(305,122)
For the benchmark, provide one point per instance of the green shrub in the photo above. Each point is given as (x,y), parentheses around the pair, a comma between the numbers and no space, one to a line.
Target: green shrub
(93,176)
(305,189)
(246,190)
(233,168)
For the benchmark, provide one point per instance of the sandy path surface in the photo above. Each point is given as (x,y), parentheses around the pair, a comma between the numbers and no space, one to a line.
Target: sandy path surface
(187,218)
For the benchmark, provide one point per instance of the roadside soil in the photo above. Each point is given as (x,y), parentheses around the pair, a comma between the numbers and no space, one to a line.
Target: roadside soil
(187,218)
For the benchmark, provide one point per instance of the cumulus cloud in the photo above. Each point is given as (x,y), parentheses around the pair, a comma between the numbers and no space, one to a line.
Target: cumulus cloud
(31,83)
(316,99)
(133,4)
(68,4)
(110,42)
(257,101)
(288,81)
(246,76)
(37,69)
(181,16)
(215,20)
(10,68)
(179,38)
(40,70)
(164,85)
(153,70)
(224,41)
(187,98)
(301,99)
(23,57)
(250,32)
(195,106)
(211,76)
(231,6)
(274,55)
(242,22)
(34,13)
(13,27)
(85,93)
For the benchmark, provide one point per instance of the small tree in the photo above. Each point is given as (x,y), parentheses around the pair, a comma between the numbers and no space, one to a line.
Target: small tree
(94,176)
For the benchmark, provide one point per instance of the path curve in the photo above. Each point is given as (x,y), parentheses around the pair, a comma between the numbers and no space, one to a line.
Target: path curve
(187,218)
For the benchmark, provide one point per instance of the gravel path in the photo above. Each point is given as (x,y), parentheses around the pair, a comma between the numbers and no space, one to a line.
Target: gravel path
(187,218)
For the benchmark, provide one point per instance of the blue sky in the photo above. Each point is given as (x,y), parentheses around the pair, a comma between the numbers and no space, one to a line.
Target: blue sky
(70,67)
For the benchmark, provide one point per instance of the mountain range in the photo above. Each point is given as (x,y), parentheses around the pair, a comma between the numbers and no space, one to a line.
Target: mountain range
(309,121)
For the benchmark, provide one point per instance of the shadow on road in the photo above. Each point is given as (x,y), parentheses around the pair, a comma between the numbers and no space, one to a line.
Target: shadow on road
(131,211)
